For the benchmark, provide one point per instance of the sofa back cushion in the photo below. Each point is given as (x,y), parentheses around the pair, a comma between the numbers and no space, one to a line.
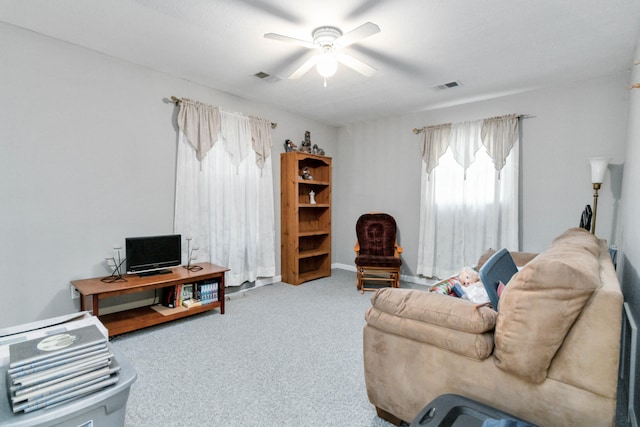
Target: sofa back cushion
(542,301)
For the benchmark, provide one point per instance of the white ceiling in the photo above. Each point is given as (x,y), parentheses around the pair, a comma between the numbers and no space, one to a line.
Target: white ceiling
(492,47)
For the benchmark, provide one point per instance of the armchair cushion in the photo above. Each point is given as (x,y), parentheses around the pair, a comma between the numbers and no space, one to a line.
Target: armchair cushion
(376,234)
(378,261)
(541,302)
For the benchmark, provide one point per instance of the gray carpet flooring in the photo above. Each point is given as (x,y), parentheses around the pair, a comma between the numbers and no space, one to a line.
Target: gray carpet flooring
(281,355)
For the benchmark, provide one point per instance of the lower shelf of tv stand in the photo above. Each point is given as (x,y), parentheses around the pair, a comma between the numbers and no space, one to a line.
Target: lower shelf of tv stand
(95,289)
(138,318)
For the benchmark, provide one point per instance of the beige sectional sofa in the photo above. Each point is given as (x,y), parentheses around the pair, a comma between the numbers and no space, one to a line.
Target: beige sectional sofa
(549,356)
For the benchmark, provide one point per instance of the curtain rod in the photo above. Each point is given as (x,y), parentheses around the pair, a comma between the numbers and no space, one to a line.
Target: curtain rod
(520,116)
(177,101)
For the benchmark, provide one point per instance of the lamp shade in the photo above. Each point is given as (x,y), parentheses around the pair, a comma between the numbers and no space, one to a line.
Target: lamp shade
(598,169)
(327,64)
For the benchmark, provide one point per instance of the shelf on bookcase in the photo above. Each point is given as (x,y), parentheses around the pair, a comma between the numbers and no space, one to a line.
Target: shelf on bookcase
(312,253)
(313,182)
(315,205)
(313,233)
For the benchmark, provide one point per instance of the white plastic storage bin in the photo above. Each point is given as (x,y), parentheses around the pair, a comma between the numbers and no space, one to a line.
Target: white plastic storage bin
(106,407)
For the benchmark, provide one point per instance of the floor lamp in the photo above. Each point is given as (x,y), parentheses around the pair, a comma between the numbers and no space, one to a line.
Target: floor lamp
(598,169)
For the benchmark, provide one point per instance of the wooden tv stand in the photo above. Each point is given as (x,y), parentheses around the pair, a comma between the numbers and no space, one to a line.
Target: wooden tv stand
(138,318)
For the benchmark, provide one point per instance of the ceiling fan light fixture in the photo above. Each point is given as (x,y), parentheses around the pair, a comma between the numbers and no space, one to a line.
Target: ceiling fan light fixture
(327,65)
(329,42)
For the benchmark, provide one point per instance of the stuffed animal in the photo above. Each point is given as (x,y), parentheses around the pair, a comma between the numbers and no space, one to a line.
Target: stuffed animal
(465,285)
(468,276)
(472,287)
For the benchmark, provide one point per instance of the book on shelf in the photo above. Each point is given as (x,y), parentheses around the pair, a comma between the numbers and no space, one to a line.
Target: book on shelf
(200,293)
(191,303)
(178,301)
(186,292)
(57,368)
(207,292)
(169,296)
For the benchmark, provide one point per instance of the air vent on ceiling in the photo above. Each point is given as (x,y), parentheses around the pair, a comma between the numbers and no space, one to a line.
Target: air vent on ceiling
(449,85)
(266,77)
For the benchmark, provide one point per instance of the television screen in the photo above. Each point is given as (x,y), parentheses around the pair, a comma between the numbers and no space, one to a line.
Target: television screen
(153,253)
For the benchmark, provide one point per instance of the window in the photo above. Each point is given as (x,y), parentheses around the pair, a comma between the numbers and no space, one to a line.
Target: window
(467,203)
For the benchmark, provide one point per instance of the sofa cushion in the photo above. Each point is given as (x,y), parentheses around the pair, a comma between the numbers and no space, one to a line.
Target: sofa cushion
(541,302)
(436,309)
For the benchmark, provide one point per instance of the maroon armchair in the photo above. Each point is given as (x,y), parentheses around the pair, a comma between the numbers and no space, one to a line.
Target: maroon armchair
(377,251)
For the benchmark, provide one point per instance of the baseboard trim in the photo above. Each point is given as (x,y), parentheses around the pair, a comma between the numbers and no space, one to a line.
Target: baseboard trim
(264,281)
(403,277)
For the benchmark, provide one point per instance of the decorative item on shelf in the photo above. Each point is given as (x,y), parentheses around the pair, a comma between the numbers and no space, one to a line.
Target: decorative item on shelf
(306,175)
(289,146)
(598,170)
(116,275)
(317,150)
(312,197)
(305,146)
(191,256)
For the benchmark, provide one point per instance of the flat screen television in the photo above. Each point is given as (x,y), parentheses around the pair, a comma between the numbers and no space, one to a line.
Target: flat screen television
(153,254)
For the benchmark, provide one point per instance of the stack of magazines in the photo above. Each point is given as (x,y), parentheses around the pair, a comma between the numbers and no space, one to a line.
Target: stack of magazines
(48,371)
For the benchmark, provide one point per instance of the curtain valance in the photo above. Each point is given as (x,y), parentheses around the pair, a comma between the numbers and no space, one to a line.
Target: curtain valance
(434,144)
(200,123)
(261,139)
(496,134)
(203,124)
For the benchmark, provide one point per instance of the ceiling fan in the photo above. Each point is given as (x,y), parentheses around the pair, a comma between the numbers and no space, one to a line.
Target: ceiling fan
(329,43)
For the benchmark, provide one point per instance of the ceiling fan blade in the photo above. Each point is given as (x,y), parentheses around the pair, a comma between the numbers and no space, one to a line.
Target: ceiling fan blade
(364,8)
(365,30)
(302,70)
(286,39)
(280,12)
(409,68)
(356,64)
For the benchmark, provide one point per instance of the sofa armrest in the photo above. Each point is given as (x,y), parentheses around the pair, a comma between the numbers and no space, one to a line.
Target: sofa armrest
(436,309)
(450,323)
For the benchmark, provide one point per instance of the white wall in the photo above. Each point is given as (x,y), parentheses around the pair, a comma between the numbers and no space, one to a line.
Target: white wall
(87,158)
(378,166)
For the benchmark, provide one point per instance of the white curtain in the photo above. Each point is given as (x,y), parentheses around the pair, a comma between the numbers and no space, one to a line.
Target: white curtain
(469,198)
(225,200)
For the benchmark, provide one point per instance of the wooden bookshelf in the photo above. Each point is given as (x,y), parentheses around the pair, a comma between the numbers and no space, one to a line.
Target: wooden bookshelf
(305,227)
(130,320)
